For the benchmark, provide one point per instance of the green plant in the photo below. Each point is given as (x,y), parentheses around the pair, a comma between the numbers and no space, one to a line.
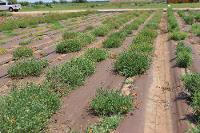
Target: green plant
(192,82)
(25,42)
(86,66)
(114,40)
(196,29)
(178,35)
(85,38)
(131,63)
(183,55)
(96,54)
(27,67)
(110,102)
(70,35)
(106,125)
(64,78)
(196,102)
(22,52)
(172,22)
(27,109)
(66,46)
(101,30)
(3,51)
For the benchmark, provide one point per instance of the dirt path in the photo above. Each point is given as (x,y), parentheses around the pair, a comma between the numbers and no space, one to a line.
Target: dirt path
(157,112)
(153,114)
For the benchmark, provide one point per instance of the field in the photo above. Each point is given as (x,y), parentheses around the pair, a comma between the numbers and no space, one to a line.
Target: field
(101,71)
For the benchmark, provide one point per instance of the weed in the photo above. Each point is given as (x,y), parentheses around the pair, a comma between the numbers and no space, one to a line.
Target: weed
(196,29)
(26,42)
(101,30)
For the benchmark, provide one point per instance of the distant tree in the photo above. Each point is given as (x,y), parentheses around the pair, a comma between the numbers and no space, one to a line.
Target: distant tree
(54,2)
(24,3)
(12,1)
(80,1)
(62,1)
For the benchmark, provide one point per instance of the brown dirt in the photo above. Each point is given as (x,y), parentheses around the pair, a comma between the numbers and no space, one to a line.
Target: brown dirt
(153,104)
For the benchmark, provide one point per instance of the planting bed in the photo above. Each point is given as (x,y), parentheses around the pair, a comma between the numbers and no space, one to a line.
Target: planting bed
(102,72)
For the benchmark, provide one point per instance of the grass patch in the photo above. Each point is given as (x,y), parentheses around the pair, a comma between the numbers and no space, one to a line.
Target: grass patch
(106,125)
(27,109)
(101,30)
(28,67)
(114,40)
(22,52)
(172,22)
(110,102)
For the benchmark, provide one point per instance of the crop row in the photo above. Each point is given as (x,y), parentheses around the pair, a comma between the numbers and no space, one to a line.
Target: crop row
(115,39)
(183,55)
(74,41)
(136,60)
(47,18)
(28,108)
(191,18)
(173,27)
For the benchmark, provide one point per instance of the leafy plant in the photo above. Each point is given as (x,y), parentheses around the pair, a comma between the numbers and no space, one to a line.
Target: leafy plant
(26,42)
(22,52)
(27,109)
(178,35)
(106,125)
(130,63)
(64,78)
(70,35)
(183,55)
(96,54)
(196,29)
(110,102)
(172,22)
(67,46)
(101,30)
(192,82)
(27,67)
(86,66)
(114,40)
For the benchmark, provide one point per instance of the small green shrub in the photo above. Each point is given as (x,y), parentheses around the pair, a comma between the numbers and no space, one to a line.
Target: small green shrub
(26,42)
(64,78)
(131,63)
(110,102)
(196,102)
(189,19)
(27,109)
(22,52)
(96,54)
(85,38)
(101,30)
(29,67)
(114,40)
(86,66)
(106,125)
(192,82)
(183,55)
(172,22)
(67,46)
(70,35)
(196,29)
(177,35)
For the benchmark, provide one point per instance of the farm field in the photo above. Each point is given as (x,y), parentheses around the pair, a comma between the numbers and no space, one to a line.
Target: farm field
(101,72)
